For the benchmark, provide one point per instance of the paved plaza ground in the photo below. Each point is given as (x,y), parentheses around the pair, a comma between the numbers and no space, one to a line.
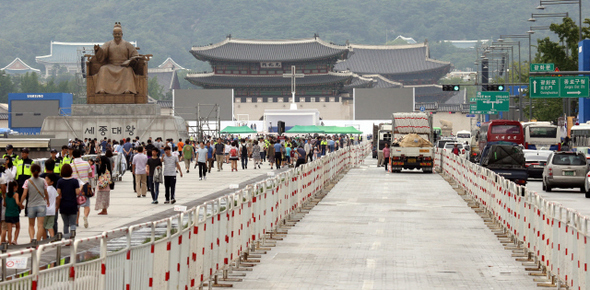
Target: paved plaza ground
(376,230)
(126,209)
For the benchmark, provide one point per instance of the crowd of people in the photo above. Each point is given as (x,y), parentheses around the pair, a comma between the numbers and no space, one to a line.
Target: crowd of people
(67,182)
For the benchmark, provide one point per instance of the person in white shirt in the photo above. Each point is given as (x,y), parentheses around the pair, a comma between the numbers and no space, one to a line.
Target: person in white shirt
(49,221)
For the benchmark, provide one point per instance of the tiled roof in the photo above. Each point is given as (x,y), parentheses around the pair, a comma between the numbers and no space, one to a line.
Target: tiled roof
(67,52)
(360,82)
(390,59)
(167,78)
(383,82)
(211,79)
(17,66)
(165,104)
(269,50)
(169,63)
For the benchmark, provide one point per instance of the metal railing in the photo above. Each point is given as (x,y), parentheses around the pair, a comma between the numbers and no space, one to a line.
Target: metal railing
(194,247)
(552,237)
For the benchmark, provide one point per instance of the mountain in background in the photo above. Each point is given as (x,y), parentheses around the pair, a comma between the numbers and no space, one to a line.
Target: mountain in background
(170,28)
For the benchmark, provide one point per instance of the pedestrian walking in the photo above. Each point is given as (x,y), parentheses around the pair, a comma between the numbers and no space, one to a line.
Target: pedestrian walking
(103,193)
(301,156)
(278,151)
(244,153)
(68,188)
(386,153)
(233,155)
(202,153)
(139,166)
(170,166)
(210,160)
(154,174)
(49,222)
(83,172)
(219,152)
(187,154)
(256,154)
(270,152)
(13,207)
(35,188)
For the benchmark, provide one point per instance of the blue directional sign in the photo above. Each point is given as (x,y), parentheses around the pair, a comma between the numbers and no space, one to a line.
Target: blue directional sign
(478,124)
(470,116)
(422,109)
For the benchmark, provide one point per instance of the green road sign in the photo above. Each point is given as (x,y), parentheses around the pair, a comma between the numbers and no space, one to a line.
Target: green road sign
(537,67)
(472,100)
(493,101)
(473,110)
(558,87)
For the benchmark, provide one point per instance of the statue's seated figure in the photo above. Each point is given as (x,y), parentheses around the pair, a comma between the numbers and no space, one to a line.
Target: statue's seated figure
(117,69)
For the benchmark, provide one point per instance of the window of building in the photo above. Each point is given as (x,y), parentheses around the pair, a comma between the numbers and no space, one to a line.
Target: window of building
(332,99)
(259,100)
(312,99)
(238,100)
(322,99)
(248,100)
(279,100)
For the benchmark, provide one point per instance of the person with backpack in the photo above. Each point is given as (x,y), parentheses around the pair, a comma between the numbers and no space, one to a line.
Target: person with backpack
(36,189)
(456,149)
(233,155)
(187,154)
(244,152)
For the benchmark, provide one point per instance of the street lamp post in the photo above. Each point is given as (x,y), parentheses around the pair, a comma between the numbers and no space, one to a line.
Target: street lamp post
(530,33)
(550,15)
(563,2)
(503,42)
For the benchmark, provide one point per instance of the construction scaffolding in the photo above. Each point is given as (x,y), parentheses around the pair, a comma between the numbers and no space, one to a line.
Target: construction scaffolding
(208,122)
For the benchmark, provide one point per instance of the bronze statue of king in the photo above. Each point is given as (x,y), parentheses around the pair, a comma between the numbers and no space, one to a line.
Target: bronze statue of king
(116,76)
(117,73)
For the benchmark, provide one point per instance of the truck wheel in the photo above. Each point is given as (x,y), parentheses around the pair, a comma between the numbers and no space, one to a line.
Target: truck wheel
(583,189)
(587,194)
(427,170)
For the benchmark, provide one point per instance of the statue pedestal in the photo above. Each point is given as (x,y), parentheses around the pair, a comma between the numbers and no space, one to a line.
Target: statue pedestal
(116,99)
(115,121)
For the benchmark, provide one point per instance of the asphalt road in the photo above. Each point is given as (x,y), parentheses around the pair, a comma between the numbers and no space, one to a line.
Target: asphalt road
(570,198)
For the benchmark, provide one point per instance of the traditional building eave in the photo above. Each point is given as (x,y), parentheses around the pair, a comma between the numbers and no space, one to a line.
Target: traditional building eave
(246,50)
(233,81)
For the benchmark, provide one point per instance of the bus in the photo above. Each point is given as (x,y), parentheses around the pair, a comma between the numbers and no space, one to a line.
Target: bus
(500,130)
(542,136)
(580,140)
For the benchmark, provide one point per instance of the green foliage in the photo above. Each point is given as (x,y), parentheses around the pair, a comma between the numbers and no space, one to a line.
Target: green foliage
(6,86)
(155,90)
(564,54)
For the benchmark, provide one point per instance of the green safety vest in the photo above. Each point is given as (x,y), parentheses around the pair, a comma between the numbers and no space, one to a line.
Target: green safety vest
(23,169)
(65,160)
(57,167)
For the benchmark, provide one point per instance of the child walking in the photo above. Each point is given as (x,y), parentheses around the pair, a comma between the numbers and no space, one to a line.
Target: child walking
(13,205)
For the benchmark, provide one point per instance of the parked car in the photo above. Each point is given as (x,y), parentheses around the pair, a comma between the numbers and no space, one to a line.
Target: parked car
(535,161)
(565,170)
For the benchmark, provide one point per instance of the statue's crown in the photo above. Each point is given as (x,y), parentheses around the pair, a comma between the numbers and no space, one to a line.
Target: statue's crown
(118,25)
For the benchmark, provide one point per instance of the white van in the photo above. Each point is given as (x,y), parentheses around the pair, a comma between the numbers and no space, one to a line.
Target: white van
(464,136)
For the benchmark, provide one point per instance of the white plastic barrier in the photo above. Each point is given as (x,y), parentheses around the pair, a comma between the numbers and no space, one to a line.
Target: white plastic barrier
(555,236)
(198,244)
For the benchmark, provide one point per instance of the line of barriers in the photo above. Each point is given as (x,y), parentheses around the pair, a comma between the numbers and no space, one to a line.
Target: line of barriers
(199,244)
(553,236)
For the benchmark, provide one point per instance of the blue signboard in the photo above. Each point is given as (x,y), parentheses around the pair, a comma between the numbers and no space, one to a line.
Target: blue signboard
(422,109)
(478,124)
(515,89)
(470,116)
(26,111)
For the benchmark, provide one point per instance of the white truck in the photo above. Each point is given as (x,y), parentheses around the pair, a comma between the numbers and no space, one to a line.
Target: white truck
(420,157)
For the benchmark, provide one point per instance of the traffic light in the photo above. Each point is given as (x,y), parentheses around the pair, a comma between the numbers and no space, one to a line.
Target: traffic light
(493,88)
(451,88)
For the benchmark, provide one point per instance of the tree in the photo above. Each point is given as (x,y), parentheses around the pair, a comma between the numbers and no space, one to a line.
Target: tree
(155,90)
(564,54)
(6,86)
